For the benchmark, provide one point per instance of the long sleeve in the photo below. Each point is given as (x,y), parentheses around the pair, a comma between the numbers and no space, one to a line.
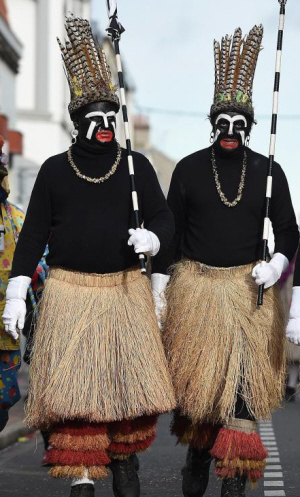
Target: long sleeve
(177,204)
(283,217)
(35,232)
(157,216)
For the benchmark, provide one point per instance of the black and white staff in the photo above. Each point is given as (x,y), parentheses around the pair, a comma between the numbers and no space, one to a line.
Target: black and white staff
(115,29)
(267,221)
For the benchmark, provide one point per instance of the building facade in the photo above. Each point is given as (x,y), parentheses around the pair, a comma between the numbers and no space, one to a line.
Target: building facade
(10,56)
(163,165)
(42,93)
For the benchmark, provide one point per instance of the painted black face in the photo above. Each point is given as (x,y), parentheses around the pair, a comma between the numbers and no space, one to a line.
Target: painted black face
(230,131)
(96,124)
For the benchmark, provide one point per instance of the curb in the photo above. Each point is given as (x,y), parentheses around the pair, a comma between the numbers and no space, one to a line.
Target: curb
(12,433)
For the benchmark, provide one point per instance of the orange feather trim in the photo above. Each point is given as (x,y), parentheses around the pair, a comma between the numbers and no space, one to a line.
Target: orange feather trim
(94,472)
(85,458)
(232,444)
(80,428)
(123,448)
(240,464)
(126,426)
(138,436)
(199,436)
(79,443)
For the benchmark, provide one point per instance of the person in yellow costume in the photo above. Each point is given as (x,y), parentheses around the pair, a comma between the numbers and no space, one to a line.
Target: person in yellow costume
(11,222)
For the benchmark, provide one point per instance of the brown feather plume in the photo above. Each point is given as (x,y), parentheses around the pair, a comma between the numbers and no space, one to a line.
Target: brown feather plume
(217,55)
(87,71)
(234,58)
(235,64)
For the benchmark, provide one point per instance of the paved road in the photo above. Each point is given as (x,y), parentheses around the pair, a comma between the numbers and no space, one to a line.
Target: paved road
(21,474)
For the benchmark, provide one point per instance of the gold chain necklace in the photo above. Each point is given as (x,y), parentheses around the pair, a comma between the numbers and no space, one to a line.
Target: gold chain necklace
(218,184)
(95,180)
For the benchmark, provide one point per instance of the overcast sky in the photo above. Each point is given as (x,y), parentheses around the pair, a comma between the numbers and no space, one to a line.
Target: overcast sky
(168,52)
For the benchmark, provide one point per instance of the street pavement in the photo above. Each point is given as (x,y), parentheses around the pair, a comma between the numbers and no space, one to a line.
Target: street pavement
(21,472)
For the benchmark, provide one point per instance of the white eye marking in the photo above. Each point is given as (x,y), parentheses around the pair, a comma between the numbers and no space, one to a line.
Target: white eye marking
(91,130)
(104,115)
(217,134)
(231,121)
(230,131)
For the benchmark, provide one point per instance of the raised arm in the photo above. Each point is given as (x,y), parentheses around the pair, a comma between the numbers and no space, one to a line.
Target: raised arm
(285,232)
(157,218)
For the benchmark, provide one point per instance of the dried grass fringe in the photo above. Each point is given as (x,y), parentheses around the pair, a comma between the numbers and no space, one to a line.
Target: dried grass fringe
(79,443)
(93,472)
(98,353)
(198,436)
(137,436)
(218,342)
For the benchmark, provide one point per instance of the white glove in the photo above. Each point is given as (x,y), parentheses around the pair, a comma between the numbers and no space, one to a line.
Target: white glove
(15,307)
(144,241)
(268,273)
(293,327)
(159,283)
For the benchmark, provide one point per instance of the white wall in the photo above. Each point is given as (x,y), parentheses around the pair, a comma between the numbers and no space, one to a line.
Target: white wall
(22,18)
(8,94)
(42,89)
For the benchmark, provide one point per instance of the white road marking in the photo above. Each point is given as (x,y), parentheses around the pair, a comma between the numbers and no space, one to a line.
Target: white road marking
(273,476)
(276,483)
(274,493)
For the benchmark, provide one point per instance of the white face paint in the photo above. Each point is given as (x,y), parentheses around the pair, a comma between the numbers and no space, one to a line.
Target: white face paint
(231,121)
(93,124)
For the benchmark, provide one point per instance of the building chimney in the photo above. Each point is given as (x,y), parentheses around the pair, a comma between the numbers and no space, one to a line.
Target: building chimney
(141,132)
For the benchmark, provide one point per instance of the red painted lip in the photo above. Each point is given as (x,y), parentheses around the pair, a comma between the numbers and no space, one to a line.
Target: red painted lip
(229,143)
(104,136)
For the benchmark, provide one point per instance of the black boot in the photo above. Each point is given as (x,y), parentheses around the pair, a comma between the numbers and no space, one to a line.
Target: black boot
(125,478)
(136,462)
(234,487)
(84,490)
(196,473)
(290,394)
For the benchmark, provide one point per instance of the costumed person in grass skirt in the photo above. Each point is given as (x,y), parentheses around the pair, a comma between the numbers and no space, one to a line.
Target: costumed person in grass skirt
(11,223)
(293,351)
(226,357)
(98,377)
(293,327)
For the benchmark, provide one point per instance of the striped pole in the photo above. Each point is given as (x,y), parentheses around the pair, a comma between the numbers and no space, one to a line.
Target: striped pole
(115,29)
(267,221)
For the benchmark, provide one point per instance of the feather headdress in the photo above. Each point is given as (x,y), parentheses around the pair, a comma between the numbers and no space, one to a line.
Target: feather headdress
(87,71)
(235,64)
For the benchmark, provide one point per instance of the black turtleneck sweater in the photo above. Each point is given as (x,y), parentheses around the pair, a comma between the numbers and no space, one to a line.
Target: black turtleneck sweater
(212,233)
(86,224)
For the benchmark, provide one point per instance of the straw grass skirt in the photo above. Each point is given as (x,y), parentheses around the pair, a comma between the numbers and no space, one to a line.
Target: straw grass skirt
(98,353)
(217,342)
